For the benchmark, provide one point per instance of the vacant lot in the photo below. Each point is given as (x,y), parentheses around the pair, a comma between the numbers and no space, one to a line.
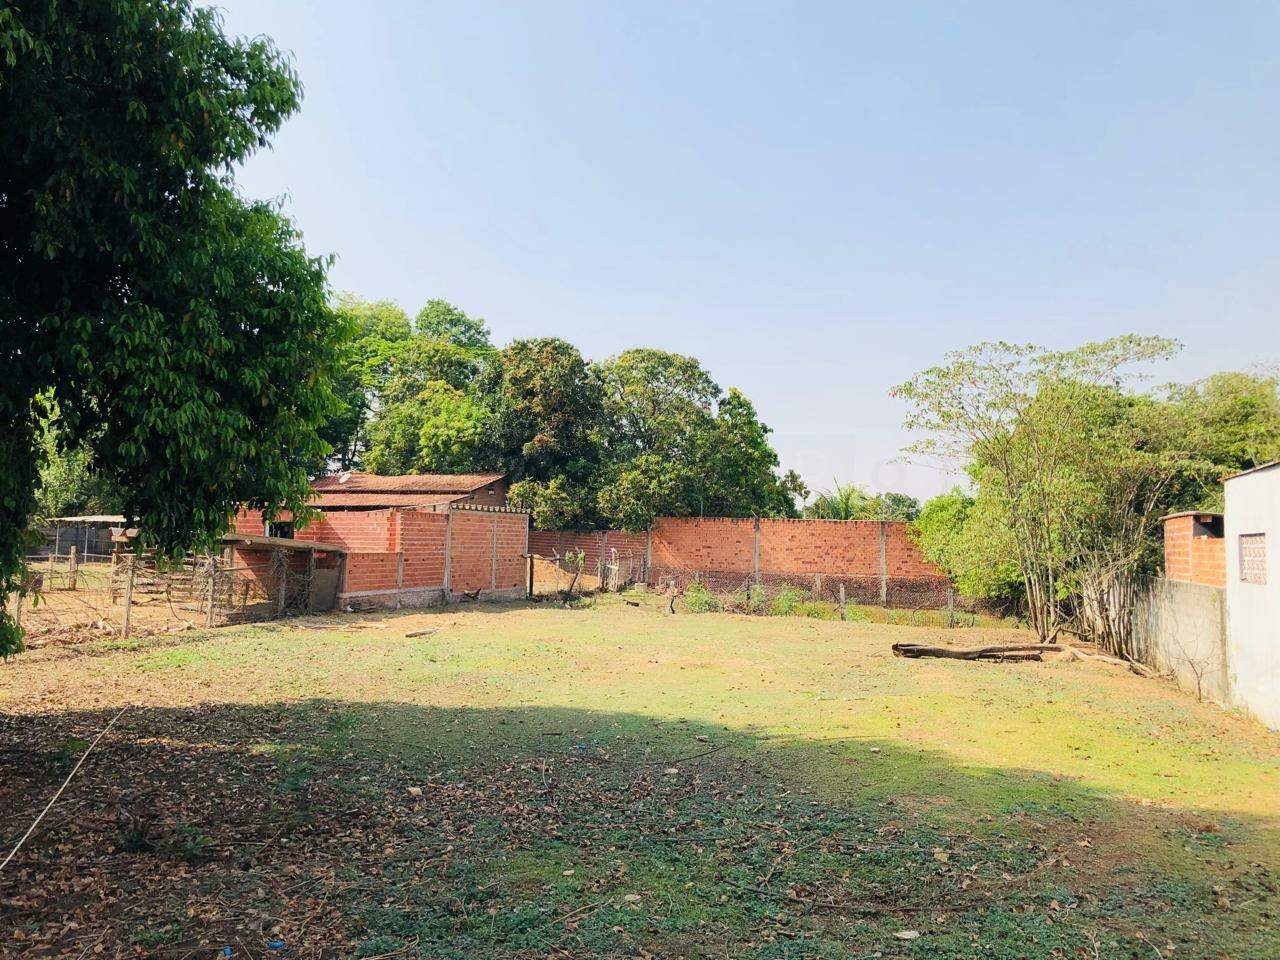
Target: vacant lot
(531,781)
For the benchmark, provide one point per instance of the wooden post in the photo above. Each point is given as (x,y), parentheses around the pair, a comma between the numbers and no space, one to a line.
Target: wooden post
(279,560)
(73,565)
(842,601)
(529,593)
(884,563)
(951,606)
(311,579)
(128,597)
(342,577)
(604,536)
(213,580)
(755,553)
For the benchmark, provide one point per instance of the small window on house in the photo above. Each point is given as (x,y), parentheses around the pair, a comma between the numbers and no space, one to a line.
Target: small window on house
(1253,558)
(280,528)
(490,491)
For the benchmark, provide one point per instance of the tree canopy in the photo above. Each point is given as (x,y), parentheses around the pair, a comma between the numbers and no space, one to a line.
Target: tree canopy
(182,331)
(619,442)
(1073,462)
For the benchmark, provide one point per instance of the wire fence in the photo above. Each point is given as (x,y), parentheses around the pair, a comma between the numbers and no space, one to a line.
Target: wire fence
(69,596)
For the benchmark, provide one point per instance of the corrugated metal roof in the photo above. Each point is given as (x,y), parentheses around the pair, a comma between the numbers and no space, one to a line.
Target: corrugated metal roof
(357,482)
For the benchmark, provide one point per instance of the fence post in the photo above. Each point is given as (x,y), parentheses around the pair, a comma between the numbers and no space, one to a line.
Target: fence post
(842,600)
(604,536)
(72,566)
(755,552)
(529,594)
(951,606)
(311,579)
(128,597)
(213,586)
(279,560)
(884,563)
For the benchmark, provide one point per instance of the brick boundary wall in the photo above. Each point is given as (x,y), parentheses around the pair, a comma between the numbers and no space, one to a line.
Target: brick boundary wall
(403,557)
(596,545)
(1193,558)
(877,561)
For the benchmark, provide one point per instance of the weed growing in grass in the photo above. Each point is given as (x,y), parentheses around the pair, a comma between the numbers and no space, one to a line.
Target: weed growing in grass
(699,599)
(787,600)
(62,754)
(188,843)
(158,936)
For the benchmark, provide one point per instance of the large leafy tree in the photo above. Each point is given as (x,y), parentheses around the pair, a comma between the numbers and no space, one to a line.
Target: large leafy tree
(441,320)
(182,331)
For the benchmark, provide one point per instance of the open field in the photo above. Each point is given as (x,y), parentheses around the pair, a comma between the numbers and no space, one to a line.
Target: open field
(530,781)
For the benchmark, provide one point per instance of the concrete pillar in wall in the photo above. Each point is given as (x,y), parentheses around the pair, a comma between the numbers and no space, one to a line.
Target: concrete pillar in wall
(648,554)
(399,570)
(884,563)
(448,554)
(604,534)
(755,552)
(493,558)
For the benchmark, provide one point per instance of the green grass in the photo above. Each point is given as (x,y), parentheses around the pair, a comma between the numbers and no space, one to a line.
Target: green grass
(610,781)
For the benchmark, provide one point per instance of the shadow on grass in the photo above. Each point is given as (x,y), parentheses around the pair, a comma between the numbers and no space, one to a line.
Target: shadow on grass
(379,829)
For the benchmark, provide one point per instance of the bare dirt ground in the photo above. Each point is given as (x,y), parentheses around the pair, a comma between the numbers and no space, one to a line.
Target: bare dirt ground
(612,781)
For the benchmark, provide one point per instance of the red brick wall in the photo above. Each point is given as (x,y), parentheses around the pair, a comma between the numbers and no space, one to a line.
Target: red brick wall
(473,539)
(1190,558)
(373,539)
(719,552)
(551,543)
(421,537)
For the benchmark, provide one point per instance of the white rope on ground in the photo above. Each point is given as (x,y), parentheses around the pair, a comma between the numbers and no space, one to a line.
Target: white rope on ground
(49,806)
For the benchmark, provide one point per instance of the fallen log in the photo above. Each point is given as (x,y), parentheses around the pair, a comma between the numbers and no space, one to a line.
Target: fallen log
(1019,651)
(1004,652)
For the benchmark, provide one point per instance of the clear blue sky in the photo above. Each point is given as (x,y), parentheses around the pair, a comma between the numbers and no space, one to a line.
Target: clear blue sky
(815,200)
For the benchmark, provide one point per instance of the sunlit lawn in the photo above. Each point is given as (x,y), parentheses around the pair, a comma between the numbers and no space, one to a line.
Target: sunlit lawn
(531,781)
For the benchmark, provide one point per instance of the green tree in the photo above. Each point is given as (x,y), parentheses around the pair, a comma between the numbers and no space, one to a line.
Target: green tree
(441,320)
(968,540)
(547,411)
(1028,423)
(438,429)
(182,331)
(374,333)
(851,502)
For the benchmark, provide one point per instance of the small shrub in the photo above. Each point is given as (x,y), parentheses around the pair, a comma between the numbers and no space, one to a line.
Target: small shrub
(699,599)
(816,610)
(752,600)
(785,603)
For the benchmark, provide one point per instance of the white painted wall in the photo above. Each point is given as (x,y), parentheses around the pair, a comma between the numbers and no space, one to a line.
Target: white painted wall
(1253,610)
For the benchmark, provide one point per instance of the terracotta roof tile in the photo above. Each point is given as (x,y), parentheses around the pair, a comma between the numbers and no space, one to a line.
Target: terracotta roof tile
(326,500)
(357,482)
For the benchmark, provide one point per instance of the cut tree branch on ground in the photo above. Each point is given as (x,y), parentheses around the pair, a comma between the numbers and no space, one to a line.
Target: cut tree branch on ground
(1017,651)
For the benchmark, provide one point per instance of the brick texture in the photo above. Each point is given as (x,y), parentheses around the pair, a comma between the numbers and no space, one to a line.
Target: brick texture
(1190,558)
(813,554)
(596,545)
(486,550)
